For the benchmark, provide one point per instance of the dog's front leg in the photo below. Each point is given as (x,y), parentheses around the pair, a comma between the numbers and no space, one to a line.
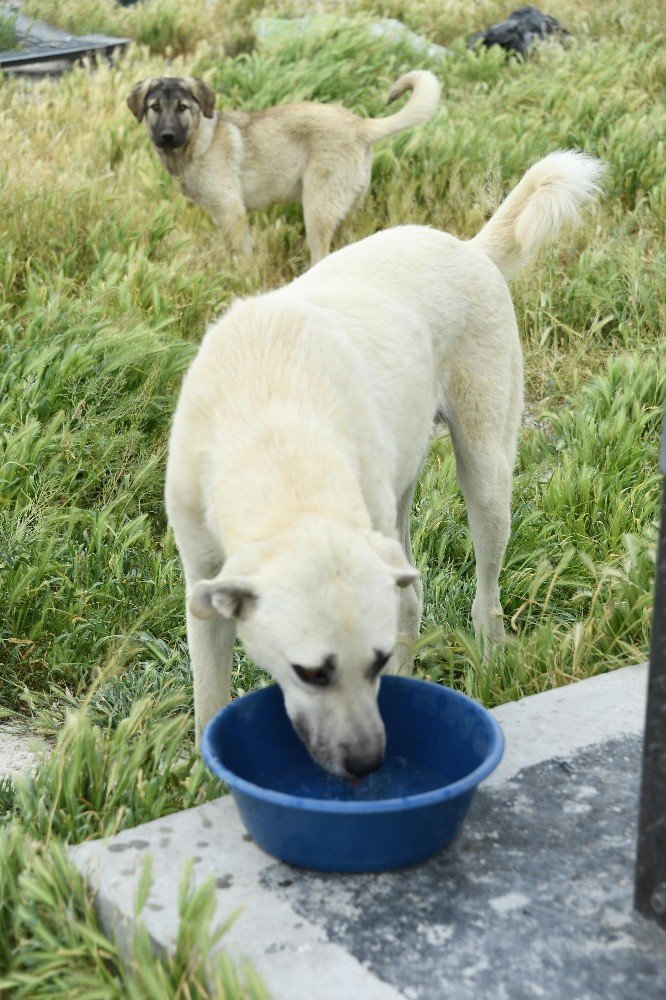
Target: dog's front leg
(411,600)
(211,645)
(409,624)
(239,236)
(229,214)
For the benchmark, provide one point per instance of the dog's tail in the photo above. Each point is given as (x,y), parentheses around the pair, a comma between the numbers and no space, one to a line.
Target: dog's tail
(419,109)
(551,193)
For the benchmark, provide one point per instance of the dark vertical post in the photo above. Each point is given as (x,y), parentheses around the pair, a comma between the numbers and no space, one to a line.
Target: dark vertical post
(650,889)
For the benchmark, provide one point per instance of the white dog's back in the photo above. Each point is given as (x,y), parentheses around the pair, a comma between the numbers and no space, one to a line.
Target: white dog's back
(386,315)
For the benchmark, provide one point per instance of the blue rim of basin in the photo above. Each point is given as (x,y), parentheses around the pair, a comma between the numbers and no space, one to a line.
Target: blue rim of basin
(347,806)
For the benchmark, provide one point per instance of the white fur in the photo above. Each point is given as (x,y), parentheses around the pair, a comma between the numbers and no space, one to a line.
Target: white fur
(298,438)
(550,195)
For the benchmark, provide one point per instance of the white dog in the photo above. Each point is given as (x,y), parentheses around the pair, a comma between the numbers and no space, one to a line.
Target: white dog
(297,441)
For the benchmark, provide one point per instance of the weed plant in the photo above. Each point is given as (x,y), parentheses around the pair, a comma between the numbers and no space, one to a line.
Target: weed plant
(8,34)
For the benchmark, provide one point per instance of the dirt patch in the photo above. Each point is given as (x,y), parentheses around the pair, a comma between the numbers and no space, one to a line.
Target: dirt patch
(18,751)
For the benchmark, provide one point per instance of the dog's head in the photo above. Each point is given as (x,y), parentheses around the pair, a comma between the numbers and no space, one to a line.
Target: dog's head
(319,611)
(172,107)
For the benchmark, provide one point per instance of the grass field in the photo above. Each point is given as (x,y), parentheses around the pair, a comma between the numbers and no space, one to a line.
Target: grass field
(107,281)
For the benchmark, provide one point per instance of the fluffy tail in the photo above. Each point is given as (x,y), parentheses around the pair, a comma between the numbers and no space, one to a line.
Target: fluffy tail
(551,193)
(419,109)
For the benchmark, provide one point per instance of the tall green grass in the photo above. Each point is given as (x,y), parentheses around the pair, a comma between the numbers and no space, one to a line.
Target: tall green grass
(107,281)
(104,776)
(109,278)
(8,34)
(52,946)
(577,578)
(168,27)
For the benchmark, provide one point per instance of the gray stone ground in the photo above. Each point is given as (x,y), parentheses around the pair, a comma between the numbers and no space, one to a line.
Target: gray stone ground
(533,900)
(18,750)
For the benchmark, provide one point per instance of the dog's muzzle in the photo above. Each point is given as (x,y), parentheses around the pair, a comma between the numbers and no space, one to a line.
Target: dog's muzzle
(359,765)
(168,140)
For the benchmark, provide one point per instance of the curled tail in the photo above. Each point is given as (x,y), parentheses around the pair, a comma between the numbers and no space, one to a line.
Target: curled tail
(551,193)
(419,109)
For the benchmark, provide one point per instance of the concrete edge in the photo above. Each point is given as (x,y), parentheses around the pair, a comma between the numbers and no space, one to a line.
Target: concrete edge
(293,955)
(560,722)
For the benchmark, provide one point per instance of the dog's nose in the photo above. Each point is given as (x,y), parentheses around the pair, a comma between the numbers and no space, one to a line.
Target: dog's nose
(361,764)
(167,138)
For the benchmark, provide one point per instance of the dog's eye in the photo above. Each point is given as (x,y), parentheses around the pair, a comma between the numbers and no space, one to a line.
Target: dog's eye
(380,661)
(316,676)
(182,107)
(154,106)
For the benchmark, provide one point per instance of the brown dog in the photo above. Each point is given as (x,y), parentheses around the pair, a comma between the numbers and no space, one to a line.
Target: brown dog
(231,161)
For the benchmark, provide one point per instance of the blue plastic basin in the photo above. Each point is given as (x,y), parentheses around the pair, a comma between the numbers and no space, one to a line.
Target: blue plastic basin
(440,745)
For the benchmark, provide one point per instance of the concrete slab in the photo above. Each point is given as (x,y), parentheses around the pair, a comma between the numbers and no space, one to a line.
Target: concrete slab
(561,722)
(533,900)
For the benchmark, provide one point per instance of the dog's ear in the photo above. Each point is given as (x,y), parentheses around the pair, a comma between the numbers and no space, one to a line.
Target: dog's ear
(202,94)
(136,99)
(393,554)
(229,598)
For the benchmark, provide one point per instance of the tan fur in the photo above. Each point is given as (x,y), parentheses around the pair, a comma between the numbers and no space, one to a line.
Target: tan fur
(317,154)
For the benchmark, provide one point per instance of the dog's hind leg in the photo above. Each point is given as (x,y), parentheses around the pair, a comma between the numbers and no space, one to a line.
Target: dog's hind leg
(329,195)
(484,442)
(411,598)
(484,476)
(320,226)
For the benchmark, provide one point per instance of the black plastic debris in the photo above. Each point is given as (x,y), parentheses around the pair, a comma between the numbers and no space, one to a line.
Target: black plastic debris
(520,31)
